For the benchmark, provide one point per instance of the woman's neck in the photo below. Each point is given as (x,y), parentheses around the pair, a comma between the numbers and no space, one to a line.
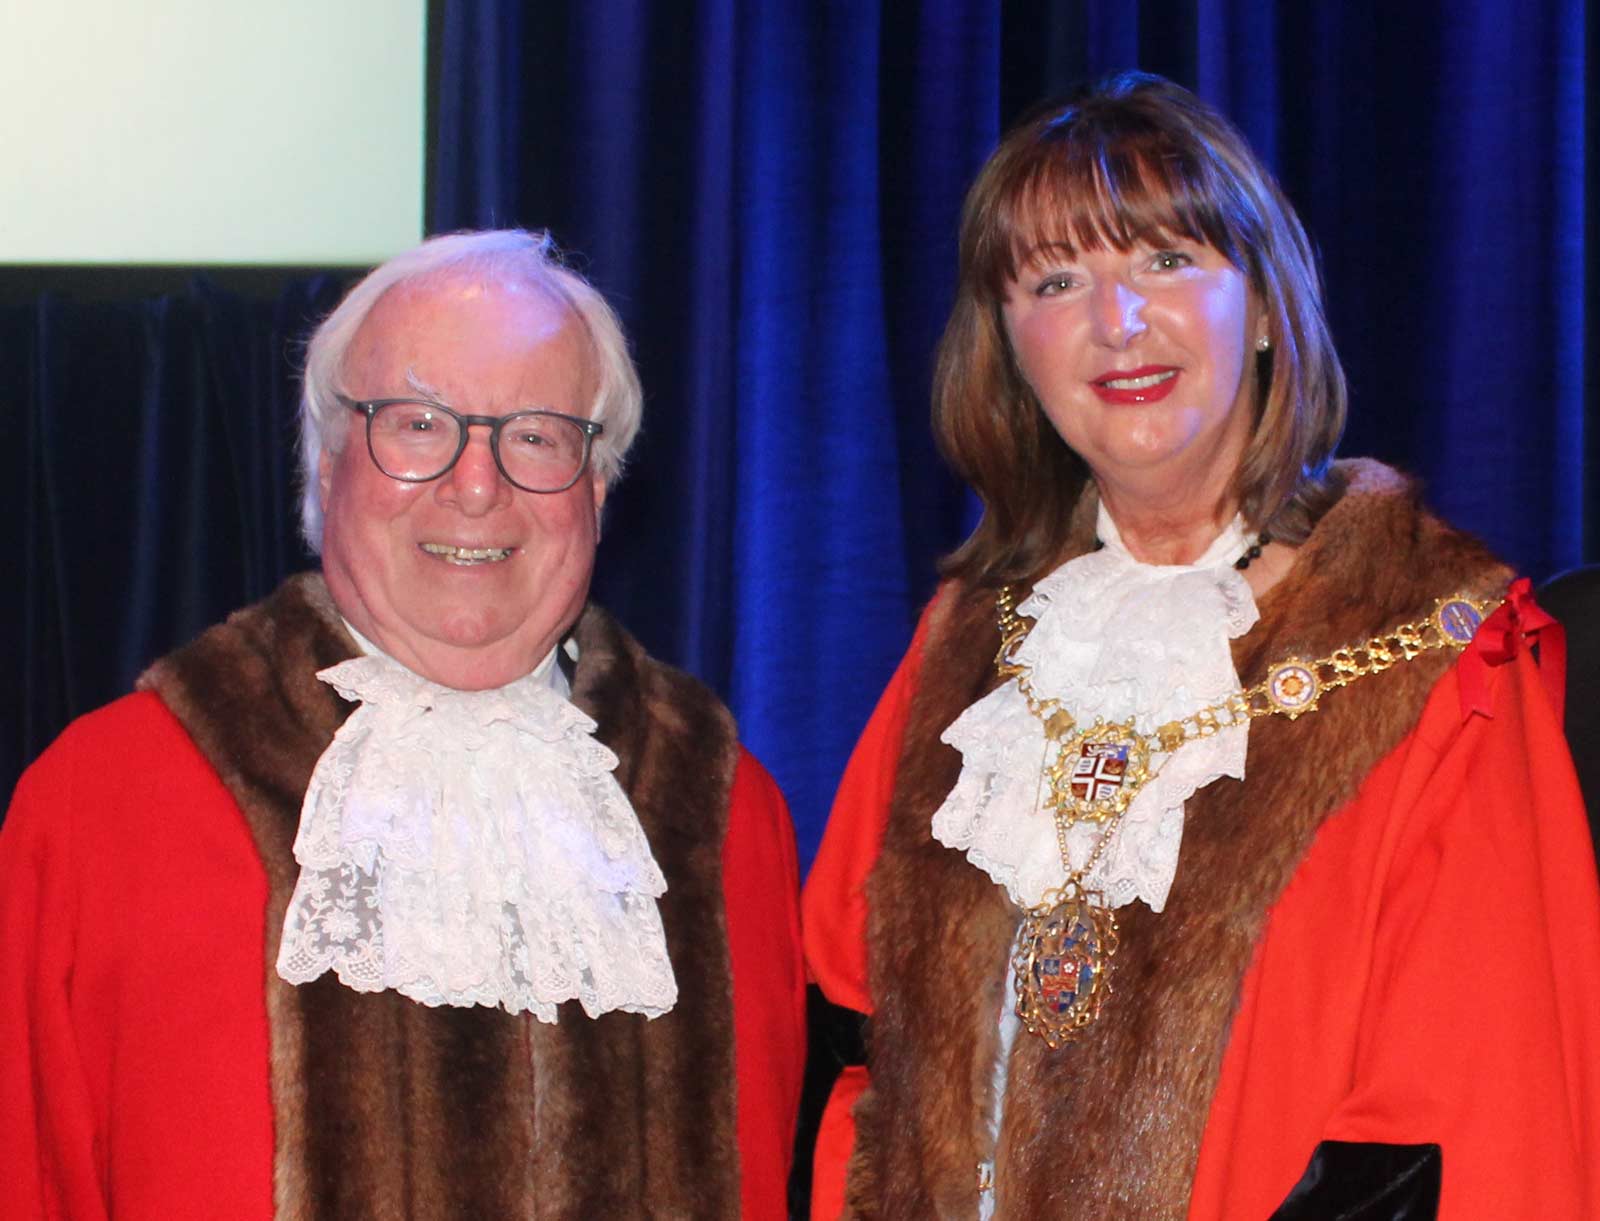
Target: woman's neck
(1166,534)
(1154,539)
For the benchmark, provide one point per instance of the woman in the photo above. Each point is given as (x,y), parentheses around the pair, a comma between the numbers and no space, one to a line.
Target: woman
(1180,926)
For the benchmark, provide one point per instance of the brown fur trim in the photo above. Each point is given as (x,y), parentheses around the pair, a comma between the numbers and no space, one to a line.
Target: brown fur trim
(1110,1126)
(384,1107)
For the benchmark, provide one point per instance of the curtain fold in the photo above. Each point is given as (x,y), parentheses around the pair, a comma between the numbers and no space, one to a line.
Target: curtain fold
(769,193)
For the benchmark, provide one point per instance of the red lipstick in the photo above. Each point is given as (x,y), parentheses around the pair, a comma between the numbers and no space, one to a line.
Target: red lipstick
(1149,384)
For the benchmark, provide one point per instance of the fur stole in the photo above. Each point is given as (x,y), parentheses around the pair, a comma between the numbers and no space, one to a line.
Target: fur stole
(387,1108)
(1110,1126)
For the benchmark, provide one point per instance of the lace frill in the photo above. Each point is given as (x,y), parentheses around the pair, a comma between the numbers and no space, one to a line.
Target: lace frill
(1113,638)
(474,848)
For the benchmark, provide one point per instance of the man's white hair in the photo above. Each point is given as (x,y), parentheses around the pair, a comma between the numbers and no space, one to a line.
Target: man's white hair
(506,256)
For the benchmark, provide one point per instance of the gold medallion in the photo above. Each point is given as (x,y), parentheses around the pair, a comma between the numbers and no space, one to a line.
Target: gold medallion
(1459,618)
(1098,772)
(1292,688)
(1063,952)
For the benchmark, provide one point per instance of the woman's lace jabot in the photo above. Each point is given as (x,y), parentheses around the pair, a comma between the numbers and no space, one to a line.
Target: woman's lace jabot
(1112,638)
(474,848)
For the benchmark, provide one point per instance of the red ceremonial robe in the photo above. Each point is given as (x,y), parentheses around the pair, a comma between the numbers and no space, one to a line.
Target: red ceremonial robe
(1430,975)
(134,1065)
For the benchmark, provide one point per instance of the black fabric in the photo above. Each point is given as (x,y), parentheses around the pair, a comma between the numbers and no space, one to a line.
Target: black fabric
(1366,1181)
(835,1040)
(1574,599)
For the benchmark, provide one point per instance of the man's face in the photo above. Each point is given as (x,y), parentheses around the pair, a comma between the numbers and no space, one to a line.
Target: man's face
(396,555)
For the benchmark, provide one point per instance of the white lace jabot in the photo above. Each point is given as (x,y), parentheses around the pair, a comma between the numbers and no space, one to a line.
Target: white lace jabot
(1113,638)
(474,848)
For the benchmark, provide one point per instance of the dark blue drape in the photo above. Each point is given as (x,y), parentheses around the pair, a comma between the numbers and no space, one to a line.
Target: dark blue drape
(148,483)
(769,192)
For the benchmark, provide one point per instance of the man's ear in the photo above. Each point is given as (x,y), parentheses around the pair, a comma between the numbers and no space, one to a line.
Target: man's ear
(325,460)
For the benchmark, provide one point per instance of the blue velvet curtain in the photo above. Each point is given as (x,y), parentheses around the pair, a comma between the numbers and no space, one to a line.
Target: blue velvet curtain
(769,192)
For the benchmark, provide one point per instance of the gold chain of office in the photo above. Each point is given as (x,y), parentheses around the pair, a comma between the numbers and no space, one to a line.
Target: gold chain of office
(1066,942)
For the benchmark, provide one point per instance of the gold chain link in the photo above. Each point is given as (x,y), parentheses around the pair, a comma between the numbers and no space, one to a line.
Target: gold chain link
(1291,688)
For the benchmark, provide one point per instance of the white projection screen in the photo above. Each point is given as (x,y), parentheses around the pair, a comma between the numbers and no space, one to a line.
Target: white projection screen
(211,132)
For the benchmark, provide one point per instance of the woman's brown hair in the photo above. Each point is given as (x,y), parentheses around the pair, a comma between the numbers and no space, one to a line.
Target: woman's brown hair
(1133,159)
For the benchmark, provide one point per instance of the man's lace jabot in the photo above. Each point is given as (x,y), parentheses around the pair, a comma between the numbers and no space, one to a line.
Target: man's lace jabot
(474,848)
(1113,638)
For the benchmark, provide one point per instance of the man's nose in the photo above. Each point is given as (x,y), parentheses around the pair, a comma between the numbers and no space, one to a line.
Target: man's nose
(474,485)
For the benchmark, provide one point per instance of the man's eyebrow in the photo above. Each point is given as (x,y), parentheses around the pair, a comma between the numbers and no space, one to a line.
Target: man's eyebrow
(422,387)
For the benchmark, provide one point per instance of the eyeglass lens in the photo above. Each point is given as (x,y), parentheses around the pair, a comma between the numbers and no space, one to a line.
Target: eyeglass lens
(416,441)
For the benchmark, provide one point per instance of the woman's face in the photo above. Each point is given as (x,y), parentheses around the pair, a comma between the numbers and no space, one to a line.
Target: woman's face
(1140,360)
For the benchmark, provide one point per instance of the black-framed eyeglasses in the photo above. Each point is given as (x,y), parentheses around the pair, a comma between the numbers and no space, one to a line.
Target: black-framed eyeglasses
(417,440)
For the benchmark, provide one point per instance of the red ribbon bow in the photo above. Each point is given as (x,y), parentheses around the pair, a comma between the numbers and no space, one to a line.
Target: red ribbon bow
(1517,622)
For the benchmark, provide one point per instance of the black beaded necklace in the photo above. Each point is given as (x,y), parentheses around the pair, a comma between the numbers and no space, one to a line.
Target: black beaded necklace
(1253,552)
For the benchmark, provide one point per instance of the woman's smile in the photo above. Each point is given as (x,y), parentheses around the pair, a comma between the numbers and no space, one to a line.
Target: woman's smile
(1146,384)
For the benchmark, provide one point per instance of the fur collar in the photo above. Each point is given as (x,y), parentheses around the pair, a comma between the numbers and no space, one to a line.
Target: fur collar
(1110,1126)
(384,1107)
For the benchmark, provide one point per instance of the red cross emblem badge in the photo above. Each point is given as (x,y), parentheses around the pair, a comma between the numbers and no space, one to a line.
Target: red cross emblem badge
(1100,770)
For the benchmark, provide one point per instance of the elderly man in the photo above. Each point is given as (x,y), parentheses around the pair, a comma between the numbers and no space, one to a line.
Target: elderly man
(418,889)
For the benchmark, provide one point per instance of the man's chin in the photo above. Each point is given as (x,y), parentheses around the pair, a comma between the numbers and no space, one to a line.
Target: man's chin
(474,660)
(470,669)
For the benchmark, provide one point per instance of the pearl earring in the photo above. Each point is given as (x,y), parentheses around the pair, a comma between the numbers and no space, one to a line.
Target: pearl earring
(1263,344)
